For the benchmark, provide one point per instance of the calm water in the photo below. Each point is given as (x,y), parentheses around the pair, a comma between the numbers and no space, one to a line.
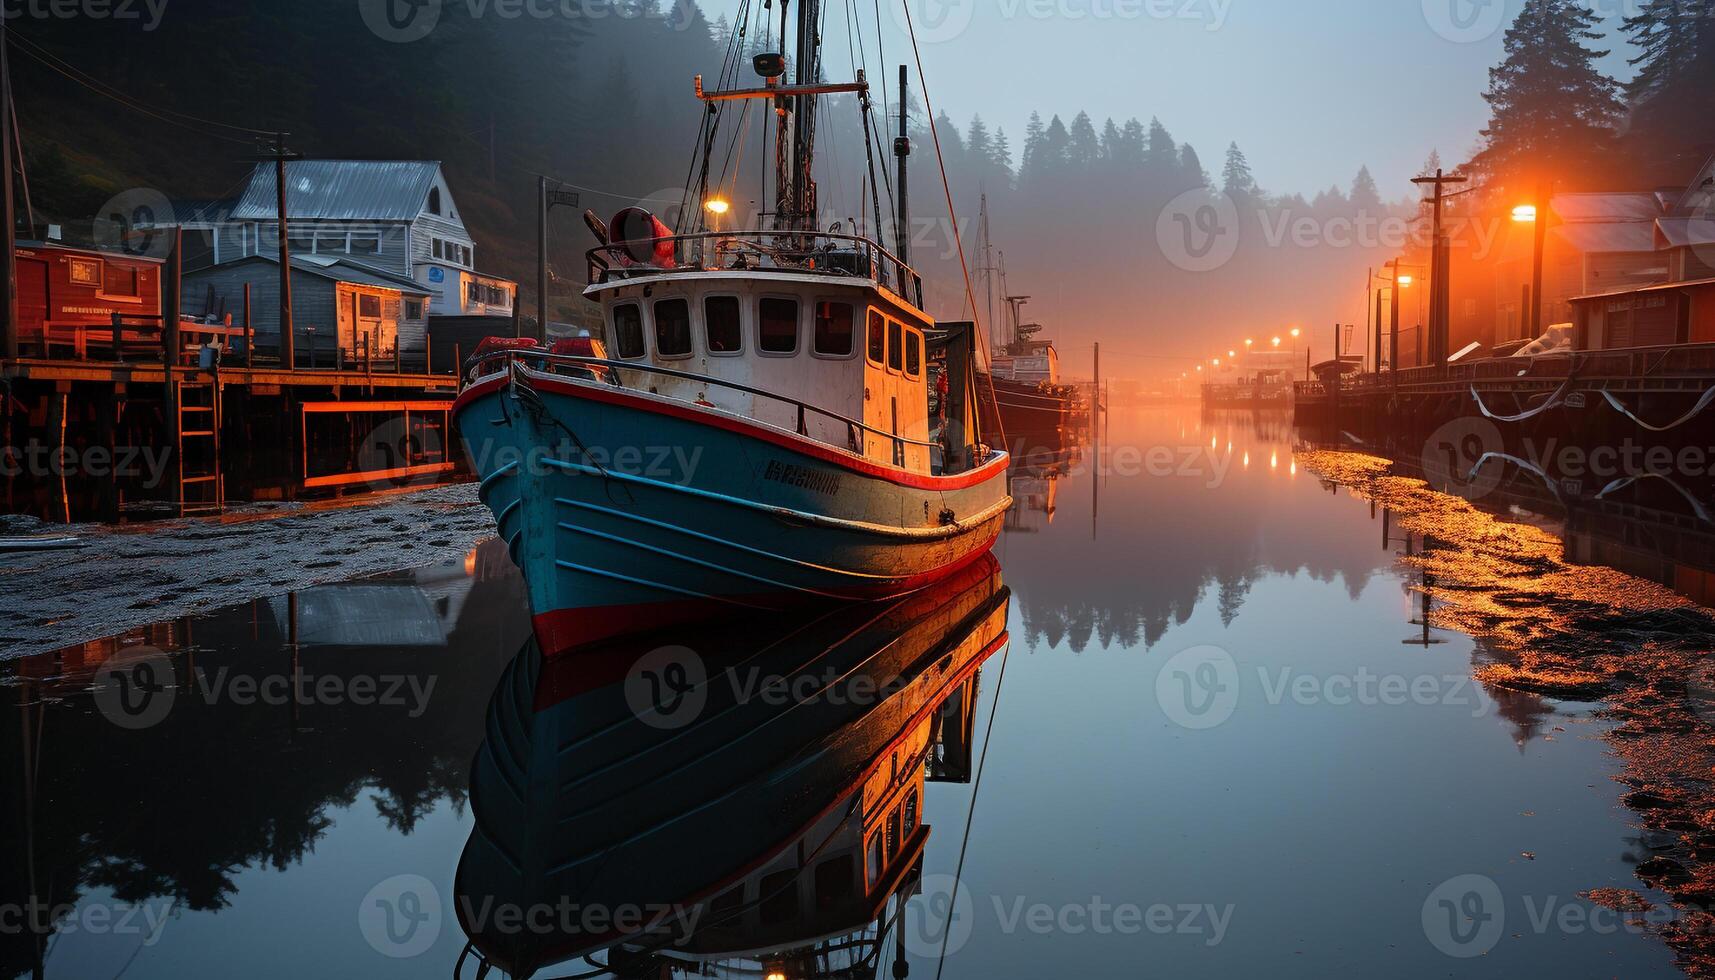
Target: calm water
(1217,743)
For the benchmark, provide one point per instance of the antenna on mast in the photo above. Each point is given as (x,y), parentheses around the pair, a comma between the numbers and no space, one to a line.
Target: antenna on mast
(902,150)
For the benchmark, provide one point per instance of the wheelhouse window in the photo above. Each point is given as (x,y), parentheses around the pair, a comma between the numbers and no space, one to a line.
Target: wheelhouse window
(913,354)
(777,325)
(721,325)
(628,330)
(877,340)
(895,346)
(673,328)
(834,329)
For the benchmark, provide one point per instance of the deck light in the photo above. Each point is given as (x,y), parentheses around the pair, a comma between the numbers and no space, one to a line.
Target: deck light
(1524,213)
(718,206)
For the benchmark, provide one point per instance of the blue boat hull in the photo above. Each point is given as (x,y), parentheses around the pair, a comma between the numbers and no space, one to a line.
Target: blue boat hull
(626,509)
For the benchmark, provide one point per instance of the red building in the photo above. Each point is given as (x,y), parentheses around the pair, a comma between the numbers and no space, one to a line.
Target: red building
(67,298)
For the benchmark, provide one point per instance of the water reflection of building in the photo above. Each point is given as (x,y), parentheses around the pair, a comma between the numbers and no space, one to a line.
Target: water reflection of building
(177,809)
(783,834)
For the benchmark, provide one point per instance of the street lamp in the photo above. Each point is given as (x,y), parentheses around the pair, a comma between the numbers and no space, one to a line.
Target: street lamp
(1405,282)
(1275,342)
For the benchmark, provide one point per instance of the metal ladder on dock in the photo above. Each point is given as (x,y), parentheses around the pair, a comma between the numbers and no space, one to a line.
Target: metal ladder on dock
(202,486)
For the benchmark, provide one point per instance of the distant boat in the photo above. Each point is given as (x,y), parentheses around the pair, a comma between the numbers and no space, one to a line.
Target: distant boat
(761,834)
(1027,387)
(763,431)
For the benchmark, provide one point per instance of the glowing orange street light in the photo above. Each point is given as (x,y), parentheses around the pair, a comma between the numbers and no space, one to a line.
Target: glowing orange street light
(1232,353)
(1296,332)
(1524,213)
(1405,282)
(1275,341)
(1248,343)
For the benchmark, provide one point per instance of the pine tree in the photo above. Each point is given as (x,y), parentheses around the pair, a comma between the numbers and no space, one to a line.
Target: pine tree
(1673,95)
(1083,148)
(1191,167)
(1054,147)
(1132,139)
(1160,153)
(1111,144)
(1035,141)
(1000,154)
(1365,197)
(1431,164)
(1236,179)
(1554,112)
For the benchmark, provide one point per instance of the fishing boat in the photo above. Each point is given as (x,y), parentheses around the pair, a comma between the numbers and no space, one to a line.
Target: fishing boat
(1027,386)
(774,416)
(741,835)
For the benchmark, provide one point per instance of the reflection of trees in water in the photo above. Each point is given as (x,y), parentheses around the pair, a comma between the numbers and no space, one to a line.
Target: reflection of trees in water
(1166,544)
(178,810)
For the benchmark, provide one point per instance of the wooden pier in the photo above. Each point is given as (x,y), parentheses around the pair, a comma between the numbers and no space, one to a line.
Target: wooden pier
(1658,390)
(225,432)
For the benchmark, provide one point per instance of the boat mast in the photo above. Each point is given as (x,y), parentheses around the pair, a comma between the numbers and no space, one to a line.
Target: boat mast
(803,208)
(902,150)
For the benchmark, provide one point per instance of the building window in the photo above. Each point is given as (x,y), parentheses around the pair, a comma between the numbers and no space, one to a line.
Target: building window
(895,346)
(413,309)
(913,354)
(434,200)
(777,325)
(877,338)
(628,330)
(121,282)
(673,328)
(721,325)
(833,334)
(301,243)
(330,243)
(86,272)
(368,306)
(438,248)
(365,245)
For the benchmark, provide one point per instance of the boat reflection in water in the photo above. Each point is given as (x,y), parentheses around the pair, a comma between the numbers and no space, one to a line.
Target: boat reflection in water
(724,802)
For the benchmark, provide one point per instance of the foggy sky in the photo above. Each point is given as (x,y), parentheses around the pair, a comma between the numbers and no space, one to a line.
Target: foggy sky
(1310,89)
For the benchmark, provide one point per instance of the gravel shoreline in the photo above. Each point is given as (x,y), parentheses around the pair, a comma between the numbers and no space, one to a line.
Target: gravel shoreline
(128,576)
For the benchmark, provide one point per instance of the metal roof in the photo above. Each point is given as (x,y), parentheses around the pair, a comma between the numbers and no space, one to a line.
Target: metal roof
(1683,232)
(338,270)
(340,190)
(1607,206)
(1651,288)
(1602,236)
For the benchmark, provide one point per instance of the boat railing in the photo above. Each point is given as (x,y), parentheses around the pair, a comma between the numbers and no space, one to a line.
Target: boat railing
(813,253)
(602,368)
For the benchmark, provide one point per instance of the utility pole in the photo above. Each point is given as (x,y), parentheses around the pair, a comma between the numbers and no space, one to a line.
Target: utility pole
(288,332)
(9,264)
(1541,230)
(1376,321)
(1440,295)
(1393,321)
(902,150)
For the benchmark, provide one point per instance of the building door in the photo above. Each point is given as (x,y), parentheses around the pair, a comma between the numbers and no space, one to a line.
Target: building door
(347,304)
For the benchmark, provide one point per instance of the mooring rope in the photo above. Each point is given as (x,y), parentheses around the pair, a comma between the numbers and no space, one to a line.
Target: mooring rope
(1696,410)
(1553,402)
(1626,481)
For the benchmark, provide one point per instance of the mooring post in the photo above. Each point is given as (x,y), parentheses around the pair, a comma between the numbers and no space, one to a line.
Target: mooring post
(249,330)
